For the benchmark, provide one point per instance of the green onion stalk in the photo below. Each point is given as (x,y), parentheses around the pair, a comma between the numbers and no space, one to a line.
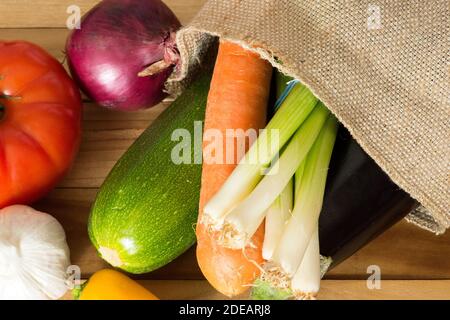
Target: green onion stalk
(281,179)
(241,223)
(294,269)
(293,111)
(276,218)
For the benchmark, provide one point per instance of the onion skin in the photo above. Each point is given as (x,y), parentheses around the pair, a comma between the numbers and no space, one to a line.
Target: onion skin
(118,39)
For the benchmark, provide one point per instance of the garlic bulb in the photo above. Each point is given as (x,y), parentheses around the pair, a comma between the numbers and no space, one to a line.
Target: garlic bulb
(34,255)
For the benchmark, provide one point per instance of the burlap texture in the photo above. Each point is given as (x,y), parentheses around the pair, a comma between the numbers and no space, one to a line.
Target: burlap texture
(382,70)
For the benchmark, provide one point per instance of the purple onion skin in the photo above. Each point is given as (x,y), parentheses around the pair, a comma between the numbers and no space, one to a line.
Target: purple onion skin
(117,40)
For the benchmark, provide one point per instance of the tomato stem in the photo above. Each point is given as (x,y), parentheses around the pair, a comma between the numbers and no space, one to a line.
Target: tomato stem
(2,106)
(2,111)
(8,97)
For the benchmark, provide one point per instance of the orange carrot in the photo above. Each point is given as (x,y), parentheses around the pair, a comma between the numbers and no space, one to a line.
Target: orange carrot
(237,99)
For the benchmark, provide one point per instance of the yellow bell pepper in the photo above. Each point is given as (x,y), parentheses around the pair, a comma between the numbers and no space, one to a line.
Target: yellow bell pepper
(109,284)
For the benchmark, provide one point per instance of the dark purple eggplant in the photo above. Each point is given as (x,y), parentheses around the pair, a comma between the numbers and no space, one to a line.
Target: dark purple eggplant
(360,202)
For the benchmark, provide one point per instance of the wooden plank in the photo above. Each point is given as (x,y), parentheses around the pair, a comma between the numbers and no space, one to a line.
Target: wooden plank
(71,208)
(106,136)
(53,13)
(403,252)
(390,290)
(330,290)
(53,40)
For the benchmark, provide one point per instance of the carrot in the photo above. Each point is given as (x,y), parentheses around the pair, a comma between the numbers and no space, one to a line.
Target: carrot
(237,99)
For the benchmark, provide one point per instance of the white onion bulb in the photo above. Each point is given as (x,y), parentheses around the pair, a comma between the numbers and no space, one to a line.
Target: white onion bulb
(34,255)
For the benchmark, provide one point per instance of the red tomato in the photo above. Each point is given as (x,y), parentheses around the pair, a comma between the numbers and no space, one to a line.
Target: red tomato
(40,122)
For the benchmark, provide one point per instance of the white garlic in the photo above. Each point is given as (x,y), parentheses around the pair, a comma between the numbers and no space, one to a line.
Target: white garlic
(34,255)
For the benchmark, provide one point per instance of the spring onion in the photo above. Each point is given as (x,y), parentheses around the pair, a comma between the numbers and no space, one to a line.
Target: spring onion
(308,202)
(292,113)
(244,219)
(306,281)
(276,217)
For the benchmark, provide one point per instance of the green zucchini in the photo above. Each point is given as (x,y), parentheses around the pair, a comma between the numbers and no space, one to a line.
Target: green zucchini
(145,212)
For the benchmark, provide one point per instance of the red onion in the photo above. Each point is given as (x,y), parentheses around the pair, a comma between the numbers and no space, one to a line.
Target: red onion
(124,52)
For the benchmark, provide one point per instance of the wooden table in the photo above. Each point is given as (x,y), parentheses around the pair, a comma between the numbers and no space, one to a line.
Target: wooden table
(415,264)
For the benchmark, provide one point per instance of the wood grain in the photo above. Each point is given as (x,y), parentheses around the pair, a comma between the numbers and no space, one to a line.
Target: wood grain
(106,136)
(330,290)
(53,13)
(404,253)
(53,40)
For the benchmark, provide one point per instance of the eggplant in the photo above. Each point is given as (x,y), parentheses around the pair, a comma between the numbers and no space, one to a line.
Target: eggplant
(360,201)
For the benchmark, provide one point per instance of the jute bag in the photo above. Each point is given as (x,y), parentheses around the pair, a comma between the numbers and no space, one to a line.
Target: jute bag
(381,69)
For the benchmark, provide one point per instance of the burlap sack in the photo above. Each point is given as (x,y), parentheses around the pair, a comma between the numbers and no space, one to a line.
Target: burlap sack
(381,69)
